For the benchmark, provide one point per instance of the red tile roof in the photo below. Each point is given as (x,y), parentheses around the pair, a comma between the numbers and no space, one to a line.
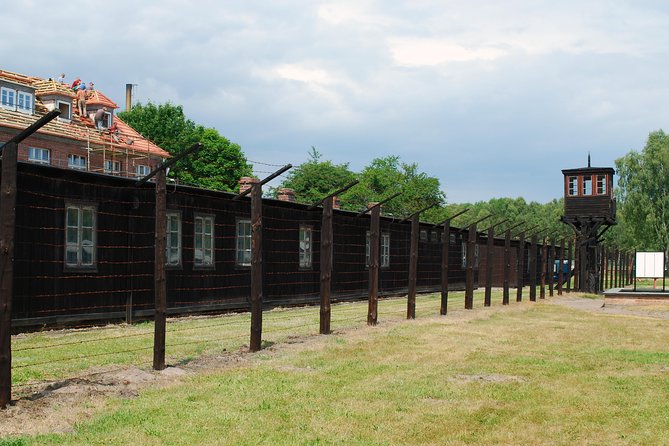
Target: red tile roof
(79,128)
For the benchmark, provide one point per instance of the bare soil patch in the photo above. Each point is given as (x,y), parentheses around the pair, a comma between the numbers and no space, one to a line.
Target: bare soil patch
(488,378)
(626,307)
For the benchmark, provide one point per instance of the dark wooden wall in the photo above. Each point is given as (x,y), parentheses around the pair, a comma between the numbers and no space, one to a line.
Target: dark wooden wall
(121,284)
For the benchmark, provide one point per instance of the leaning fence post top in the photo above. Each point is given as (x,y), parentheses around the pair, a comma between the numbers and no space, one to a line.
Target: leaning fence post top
(169,163)
(371,206)
(334,195)
(480,220)
(457,214)
(495,225)
(419,212)
(262,182)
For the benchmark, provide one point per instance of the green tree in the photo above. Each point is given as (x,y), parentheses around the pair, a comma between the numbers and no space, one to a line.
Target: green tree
(546,216)
(218,165)
(643,196)
(315,179)
(386,176)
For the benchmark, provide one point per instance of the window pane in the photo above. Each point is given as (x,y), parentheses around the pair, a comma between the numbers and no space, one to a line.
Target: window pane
(71,255)
(87,236)
(87,255)
(71,236)
(587,186)
(72,217)
(87,218)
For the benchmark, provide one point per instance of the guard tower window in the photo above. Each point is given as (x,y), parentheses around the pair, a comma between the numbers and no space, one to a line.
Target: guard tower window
(573,186)
(587,185)
(601,185)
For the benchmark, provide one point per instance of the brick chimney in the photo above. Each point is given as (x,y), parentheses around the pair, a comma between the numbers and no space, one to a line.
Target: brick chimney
(245,183)
(336,202)
(286,194)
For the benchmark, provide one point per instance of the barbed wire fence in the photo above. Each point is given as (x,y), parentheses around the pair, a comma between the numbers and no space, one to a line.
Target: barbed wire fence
(126,290)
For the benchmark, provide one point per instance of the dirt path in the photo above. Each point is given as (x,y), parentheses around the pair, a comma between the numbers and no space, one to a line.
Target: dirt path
(626,307)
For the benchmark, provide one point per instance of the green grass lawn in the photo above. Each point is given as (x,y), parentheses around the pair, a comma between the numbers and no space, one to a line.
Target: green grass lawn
(526,374)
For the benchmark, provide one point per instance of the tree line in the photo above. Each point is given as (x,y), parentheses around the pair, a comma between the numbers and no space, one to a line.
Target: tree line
(642,192)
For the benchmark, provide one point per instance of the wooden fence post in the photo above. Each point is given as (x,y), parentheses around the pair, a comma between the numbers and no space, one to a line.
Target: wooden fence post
(618,262)
(8,194)
(445,250)
(7,225)
(469,279)
(159,272)
(609,268)
(570,252)
(256,268)
(326,259)
(521,266)
(490,246)
(532,263)
(544,266)
(446,243)
(507,266)
(375,223)
(326,265)
(561,268)
(602,267)
(413,267)
(551,266)
(577,265)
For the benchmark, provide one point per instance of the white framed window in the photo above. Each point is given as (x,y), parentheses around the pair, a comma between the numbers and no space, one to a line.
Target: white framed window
(587,186)
(142,170)
(173,242)
(423,235)
(385,250)
(37,155)
(601,185)
(24,102)
(77,162)
(80,238)
(107,120)
(204,240)
(573,186)
(8,98)
(243,243)
(434,236)
(113,167)
(306,251)
(452,239)
(65,110)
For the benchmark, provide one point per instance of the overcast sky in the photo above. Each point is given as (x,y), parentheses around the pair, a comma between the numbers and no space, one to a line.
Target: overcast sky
(493,98)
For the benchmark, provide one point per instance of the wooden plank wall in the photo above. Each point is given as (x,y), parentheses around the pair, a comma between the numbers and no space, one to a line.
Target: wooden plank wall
(122,281)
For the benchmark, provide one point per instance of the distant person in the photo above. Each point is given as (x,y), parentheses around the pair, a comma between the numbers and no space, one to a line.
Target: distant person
(81,102)
(99,118)
(115,133)
(61,78)
(90,87)
(75,84)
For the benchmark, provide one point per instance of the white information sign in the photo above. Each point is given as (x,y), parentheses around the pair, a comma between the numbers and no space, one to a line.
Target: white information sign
(649,264)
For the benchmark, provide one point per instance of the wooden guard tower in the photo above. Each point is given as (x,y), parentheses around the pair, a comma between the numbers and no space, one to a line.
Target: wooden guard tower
(590,210)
